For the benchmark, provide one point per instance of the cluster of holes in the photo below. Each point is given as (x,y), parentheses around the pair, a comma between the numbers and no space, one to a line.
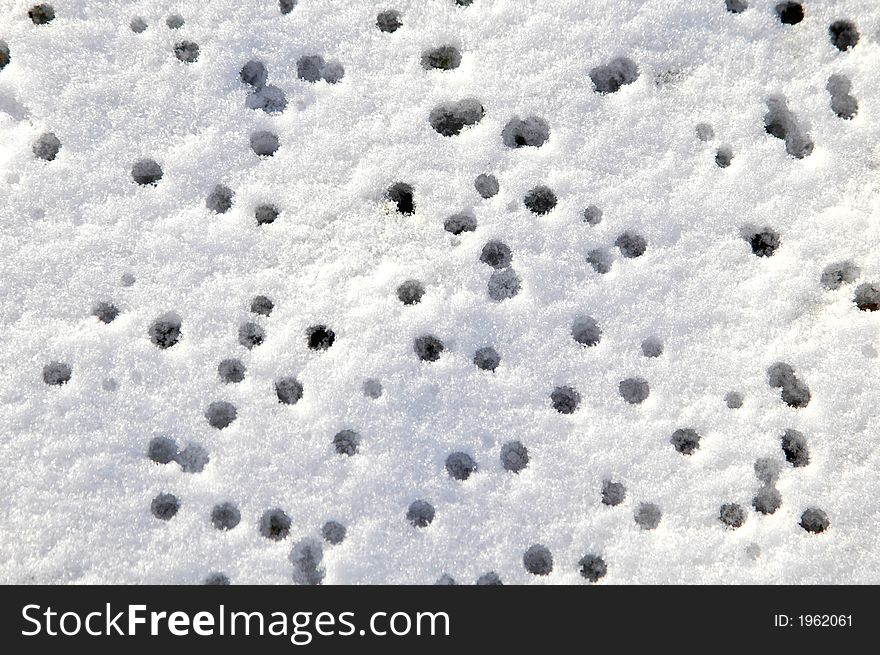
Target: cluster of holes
(768,499)
(449,119)
(504,283)
(185,50)
(843,103)
(267,97)
(795,392)
(781,122)
(164,450)
(313,68)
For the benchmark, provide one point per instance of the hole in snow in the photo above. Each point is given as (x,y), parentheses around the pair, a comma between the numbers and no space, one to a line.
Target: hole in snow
(289,390)
(540,200)
(389,21)
(165,506)
(844,35)
(410,292)
(320,337)
(220,199)
(521,132)
(146,172)
(231,370)
(450,118)
(225,516)
(187,51)
(608,78)
(165,331)
(487,359)
(445,57)
(401,194)
(221,414)
(790,13)
(41,14)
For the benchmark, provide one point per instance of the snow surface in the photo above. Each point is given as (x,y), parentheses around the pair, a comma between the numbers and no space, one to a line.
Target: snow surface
(77,484)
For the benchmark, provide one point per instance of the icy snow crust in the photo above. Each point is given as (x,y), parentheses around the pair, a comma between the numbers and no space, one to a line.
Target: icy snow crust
(77,483)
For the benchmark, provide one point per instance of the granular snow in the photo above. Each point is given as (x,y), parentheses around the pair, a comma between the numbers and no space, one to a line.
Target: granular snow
(683,201)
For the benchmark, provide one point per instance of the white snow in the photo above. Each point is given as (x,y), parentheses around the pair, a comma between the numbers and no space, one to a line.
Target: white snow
(75,482)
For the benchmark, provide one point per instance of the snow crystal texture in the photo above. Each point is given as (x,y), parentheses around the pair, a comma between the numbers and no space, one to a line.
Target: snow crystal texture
(408,291)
